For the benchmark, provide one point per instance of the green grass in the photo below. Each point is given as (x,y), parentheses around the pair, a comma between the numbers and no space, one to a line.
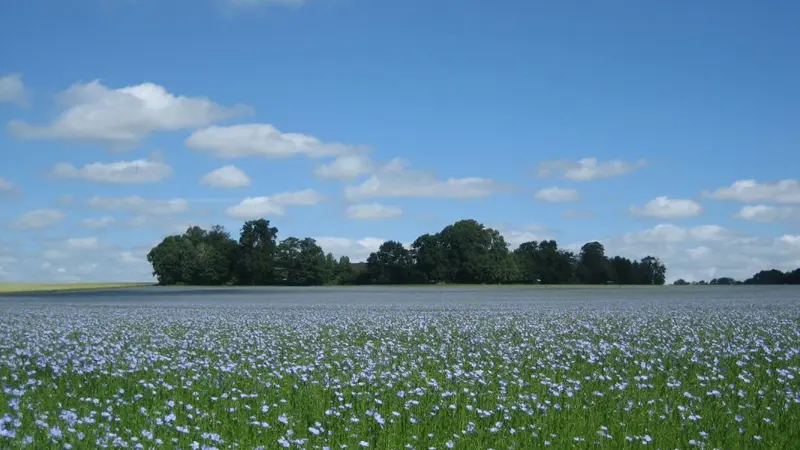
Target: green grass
(14,288)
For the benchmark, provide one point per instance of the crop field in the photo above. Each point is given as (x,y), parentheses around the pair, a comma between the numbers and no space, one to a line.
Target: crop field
(504,376)
(55,287)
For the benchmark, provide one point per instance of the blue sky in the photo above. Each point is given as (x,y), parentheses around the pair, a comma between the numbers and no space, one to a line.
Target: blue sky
(668,129)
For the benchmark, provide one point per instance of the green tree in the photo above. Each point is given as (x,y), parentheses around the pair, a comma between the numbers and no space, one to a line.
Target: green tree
(256,253)
(652,271)
(214,255)
(473,252)
(173,260)
(594,268)
(530,264)
(772,276)
(430,258)
(300,262)
(391,264)
(463,252)
(623,270)
(792,277)
(345,272)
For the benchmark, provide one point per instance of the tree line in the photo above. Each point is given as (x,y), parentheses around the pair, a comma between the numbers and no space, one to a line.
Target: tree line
(464,252)
(771,276)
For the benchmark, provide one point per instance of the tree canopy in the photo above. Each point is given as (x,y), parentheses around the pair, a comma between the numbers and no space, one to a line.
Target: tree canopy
(771,276)
(463,252)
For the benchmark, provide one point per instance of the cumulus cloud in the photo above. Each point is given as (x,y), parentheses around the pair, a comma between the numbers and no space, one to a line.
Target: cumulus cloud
(84,263)
(357,250)
(12,90)
(226,177)
(138,205)
(38,218)
(396,180)
(557,195)
(372,211)
(5,185)
(766,213)
(752,191)
(274,205)
(118,172)
(708,251)
(7,188)
(588,169)
(84,243)
(668,208)
(515,237)
(93,112)
(262,139)
(672,233)
(98,222)
(345,167)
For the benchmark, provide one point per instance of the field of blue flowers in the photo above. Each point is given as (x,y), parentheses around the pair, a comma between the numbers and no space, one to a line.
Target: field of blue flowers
(465,377)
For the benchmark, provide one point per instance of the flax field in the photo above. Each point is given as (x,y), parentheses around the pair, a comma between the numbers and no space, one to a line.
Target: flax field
(471,376)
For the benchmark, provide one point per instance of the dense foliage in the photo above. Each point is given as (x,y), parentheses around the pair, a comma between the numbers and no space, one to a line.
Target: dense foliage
(464,252)
(772,276)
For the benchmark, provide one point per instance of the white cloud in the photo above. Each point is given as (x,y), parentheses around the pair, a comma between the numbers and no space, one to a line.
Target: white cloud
(118,172)
(668,208)
(557,195)
(751,191)
(790,240)
(255,208)
(707,251)
(93,112)
(765,213)
(259,207)
(54,254)
(514,238)
(357,250)
(12,90)
(396,180)
(711,233)
(588,169)
(138,205)
(98,222)
(664,232)
(39,218)
(141,221)
(306,197)
(81,261)
(6,186)
(132,258)
(85,243)
(226,177)
(372,211)
(672,233)
(345,167)
(262,139)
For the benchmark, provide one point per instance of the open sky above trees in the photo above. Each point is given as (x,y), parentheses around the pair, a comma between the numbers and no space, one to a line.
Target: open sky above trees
(666,129)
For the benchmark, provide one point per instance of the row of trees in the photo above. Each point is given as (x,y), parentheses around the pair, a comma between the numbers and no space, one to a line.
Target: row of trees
(772,276)
(464,252)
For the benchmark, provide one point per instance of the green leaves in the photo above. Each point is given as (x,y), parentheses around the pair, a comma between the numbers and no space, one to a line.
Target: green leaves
(464,252)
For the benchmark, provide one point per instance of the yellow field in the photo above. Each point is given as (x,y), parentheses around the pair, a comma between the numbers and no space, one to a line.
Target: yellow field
(9,288)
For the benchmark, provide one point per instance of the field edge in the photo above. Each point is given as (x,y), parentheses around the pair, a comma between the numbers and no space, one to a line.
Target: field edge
(20,288)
